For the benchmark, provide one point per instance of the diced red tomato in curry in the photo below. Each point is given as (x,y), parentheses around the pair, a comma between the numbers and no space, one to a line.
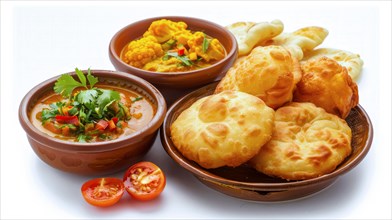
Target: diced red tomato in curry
(66,119)
(101,125)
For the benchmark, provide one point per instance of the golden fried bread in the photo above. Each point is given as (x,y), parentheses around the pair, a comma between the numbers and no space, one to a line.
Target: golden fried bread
(327,84)
(351,61)
(306,142)
(269,73)
(225,129)
(248,34)
(301,40)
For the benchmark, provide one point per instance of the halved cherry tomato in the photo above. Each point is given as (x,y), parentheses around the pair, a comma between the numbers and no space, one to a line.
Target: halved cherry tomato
(103,191)
(144,181)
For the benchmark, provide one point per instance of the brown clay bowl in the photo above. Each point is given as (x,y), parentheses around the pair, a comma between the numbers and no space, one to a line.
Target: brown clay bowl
(174,85)
(94,158)
(246,183)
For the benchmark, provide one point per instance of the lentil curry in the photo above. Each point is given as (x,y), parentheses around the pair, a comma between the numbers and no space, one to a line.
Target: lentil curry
(99,113)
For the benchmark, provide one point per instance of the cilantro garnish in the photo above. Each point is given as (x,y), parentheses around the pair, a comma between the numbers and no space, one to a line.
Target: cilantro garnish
(184,59)
(205,44)
(55,109)
(90,105)
(66,83)
(137,99)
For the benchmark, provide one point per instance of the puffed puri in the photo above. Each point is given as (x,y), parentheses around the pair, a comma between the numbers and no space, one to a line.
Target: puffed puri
(307,142)
(269,73)
(328,85)
(225,129)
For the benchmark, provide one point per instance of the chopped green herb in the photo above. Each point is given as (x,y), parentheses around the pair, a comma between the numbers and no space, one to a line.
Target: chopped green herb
(81,77)
(73,111)
(184,59)
(83,138)
(105,137)
(47,114)
(165,57)
(91,79)
(86,96)
(137,99)
(171,42)
(66,83)
(205,45)
(106,98)
(89,105)
(56,108)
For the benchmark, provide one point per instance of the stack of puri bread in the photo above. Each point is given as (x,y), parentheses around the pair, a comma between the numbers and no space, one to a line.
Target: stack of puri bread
(280,108)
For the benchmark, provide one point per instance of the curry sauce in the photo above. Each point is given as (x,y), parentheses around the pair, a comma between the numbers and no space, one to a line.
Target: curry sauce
(169,46)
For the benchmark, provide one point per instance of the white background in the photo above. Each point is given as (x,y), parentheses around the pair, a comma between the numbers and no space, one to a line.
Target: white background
(43,39)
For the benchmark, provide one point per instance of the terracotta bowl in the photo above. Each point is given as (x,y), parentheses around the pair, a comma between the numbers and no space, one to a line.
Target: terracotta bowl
(94,158)
(246,183)
(174,85)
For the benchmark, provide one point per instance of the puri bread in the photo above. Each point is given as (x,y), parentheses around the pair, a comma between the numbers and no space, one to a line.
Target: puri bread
(269,73)
(225,129)
(248,34)
(351,61)
(327,84)
(307,142)
(301,40)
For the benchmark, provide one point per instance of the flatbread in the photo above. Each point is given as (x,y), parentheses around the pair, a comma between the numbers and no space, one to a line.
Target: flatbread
(249,34)
(351,61)
(301,40)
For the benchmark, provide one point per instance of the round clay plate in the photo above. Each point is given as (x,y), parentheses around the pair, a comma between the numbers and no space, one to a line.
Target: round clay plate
(246,183)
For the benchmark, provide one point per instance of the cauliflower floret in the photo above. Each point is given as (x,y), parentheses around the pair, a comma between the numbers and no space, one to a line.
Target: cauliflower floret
(183,37)
(143,51)
(215,50)
(196,43)
(164,30)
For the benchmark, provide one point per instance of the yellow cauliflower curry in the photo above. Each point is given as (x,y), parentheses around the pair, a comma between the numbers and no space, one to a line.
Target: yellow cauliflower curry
(168,46)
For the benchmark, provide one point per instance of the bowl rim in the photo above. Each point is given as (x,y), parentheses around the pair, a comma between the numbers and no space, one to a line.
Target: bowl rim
(54,143)
(205,175)
(229,54)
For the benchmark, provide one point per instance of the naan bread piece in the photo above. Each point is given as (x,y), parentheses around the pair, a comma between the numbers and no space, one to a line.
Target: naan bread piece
(248,34)
(351,61)
(306,142)
(301,40)
(225,129)
(327,84)
(269,73)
